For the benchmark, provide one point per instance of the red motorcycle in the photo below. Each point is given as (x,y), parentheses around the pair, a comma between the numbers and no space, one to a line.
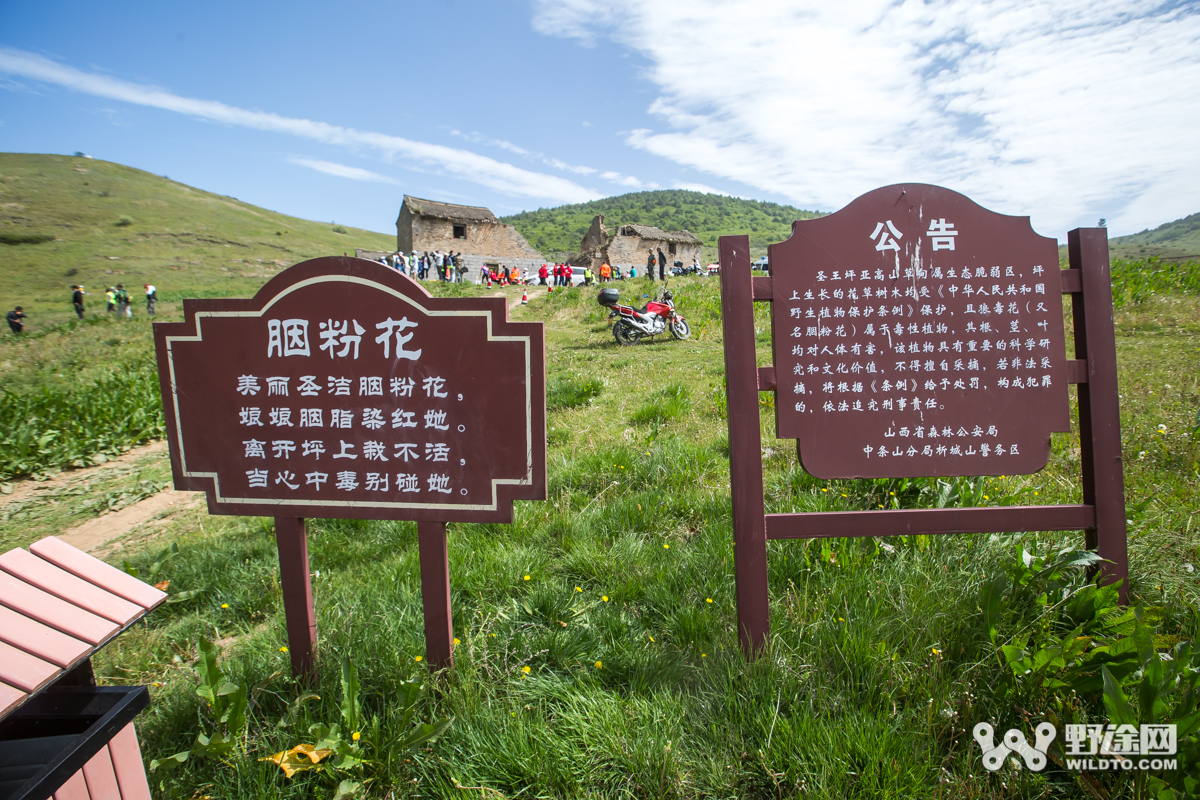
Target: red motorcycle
(634,323)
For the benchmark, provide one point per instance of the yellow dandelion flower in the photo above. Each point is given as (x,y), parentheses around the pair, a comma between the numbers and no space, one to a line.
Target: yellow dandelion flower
(708,599)
(526,577)
(224,605)
(526,669)
(893,494)
(843,495)
(985,497)
(457,642)
(599,665)
(356,736)
(666,547)
(604,597)
(824,490)
(283,649)
(935,651)
(578,589)
(704,655)
(652,638)
(418,658)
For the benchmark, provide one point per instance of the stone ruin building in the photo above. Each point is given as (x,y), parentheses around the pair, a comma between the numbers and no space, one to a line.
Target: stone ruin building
(627,245)
(427,225)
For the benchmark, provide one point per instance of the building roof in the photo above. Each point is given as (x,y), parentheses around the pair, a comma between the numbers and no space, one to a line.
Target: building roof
(432,208)
(658,234)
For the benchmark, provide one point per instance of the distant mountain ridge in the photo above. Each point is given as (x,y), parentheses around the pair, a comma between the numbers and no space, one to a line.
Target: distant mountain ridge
(1178,240)
(557,232)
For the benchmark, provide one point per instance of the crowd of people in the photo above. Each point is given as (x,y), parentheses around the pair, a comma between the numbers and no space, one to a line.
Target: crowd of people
(450,267)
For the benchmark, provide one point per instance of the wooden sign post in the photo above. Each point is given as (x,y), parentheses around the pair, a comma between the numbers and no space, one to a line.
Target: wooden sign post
(919,334)
(343,389)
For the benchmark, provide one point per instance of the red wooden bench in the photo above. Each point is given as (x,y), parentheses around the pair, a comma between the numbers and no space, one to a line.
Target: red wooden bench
(62,736)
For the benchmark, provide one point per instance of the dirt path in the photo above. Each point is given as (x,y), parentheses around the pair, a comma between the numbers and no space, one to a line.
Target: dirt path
(29,487)
(96,533)
(515,302)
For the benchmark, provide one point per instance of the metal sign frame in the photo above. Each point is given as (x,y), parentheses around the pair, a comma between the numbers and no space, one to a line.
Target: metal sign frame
(1094,372)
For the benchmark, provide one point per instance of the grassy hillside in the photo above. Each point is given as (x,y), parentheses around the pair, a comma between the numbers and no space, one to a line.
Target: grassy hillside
(67,220)
(557,232)
(1177,241)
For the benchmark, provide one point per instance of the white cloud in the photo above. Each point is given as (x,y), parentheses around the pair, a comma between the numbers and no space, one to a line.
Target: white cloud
(451,161)
(698,187)
(621,180)
(1066,110)
(549,161)
(344,171)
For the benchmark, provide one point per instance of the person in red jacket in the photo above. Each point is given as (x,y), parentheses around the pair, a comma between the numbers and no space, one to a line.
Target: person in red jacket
(542,273)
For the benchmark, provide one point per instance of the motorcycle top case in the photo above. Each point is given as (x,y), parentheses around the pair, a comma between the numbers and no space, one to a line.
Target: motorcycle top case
(608,297)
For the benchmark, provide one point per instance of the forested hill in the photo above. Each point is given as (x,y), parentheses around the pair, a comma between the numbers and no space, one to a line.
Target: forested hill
(556,231)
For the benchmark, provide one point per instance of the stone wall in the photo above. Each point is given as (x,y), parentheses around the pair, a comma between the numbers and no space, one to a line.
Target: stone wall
(489,240)
(628,251)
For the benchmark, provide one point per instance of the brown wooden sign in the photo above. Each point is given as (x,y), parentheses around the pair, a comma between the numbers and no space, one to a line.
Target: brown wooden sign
(895,356)
(917,333)
(344,389)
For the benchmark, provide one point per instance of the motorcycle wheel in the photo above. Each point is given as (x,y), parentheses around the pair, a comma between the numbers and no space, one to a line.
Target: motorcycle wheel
(680,329)
(626,334)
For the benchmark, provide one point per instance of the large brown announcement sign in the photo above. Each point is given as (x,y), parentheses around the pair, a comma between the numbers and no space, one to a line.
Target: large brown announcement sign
(344,389)
(919,334)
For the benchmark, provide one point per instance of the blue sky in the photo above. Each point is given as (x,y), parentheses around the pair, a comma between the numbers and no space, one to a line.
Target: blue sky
(1066,111)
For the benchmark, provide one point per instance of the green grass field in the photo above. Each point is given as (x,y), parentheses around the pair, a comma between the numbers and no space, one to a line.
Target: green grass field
(597,652)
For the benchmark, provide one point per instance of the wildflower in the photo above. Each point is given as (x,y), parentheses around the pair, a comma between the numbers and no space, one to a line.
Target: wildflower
(843,495)
(356,736)
(824,490)
(708,599)
(578,589)
(418,658)
(1162,428)
(704,655)
(599,665)
(604,597)
(935,651)
(493,635)
(666,547)
(526,669)
(526,577)
(841,619)
(985,497)
(283,649)
(457,642)
(651,639)
(893,494)
(224,605)
(639,506)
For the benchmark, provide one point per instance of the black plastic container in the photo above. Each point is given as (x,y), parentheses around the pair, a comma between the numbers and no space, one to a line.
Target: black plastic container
(608,297)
